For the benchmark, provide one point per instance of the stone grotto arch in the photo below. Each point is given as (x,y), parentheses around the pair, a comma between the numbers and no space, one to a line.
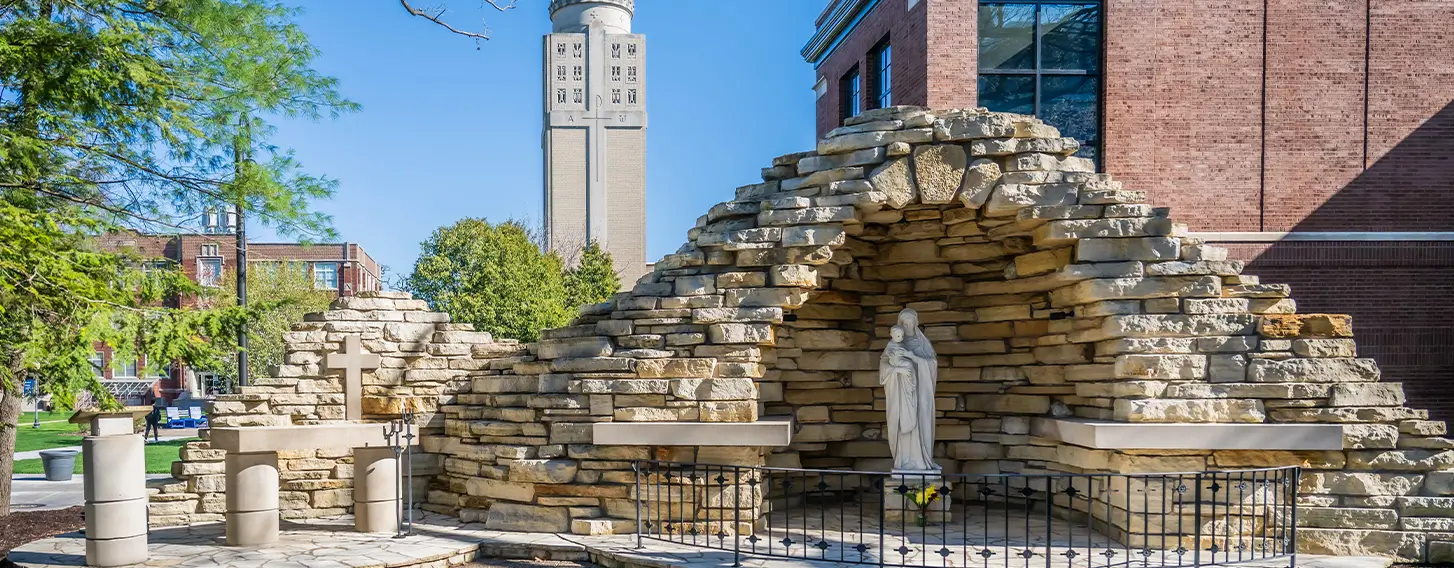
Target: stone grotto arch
(1079,329)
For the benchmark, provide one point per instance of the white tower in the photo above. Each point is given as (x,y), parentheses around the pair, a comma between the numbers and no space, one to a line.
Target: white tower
(595,132)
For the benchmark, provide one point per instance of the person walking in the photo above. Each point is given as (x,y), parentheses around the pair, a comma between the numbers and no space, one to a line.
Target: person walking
(154,421)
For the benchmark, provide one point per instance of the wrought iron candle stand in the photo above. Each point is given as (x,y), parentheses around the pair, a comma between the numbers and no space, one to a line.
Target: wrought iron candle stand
(401,437)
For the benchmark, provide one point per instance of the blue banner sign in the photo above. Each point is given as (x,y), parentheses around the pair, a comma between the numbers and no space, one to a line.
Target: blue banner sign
(29,387)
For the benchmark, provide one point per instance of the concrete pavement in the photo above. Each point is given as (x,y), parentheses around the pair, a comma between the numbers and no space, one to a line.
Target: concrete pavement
(31,492)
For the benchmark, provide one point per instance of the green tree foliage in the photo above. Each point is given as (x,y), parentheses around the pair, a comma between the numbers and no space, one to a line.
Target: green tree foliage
(286,292)
(593,280)
(495,277)
(140,114)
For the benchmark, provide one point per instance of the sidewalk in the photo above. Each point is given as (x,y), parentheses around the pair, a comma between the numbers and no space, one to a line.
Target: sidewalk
(31,492)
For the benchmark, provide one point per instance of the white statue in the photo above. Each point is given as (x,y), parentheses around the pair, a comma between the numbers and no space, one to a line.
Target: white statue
(194,384)
(908,371)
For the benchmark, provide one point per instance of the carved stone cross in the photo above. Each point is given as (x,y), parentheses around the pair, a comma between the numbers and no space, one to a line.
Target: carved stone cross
(353,360)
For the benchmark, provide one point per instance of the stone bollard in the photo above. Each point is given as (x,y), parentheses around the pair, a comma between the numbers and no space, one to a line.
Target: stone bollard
(252,498)
(375,490)
(113,459)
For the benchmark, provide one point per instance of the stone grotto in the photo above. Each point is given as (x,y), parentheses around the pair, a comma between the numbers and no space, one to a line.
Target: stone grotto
(1078,329)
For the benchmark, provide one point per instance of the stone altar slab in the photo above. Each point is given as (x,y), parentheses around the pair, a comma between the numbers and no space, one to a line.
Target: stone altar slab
(1140,436)
(275,438)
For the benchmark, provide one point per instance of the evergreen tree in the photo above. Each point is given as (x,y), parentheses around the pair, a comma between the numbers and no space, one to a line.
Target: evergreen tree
(140,114)
(593,280)
(492,276)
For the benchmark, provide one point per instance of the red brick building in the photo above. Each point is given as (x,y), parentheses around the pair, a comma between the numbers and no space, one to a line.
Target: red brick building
(209,259)
(1313,139)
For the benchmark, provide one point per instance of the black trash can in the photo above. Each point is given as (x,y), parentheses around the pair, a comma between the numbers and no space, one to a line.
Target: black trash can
(59,465)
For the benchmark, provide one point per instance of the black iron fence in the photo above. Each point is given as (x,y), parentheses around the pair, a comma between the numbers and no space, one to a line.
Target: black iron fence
(936,520)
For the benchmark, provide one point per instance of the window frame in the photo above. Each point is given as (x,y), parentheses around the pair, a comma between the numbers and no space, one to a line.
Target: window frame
(98,363)
(1039,71)
(850,99)
(218,276)
(882,75)
(313,271)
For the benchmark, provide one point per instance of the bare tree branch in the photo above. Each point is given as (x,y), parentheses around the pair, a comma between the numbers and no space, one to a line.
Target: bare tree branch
(437,17)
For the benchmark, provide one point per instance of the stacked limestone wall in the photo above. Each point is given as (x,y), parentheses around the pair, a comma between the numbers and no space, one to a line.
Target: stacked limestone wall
(425,360)
(1048,290)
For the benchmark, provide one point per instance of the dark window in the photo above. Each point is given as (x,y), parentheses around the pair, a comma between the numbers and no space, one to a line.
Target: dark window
(850,89)
(883,88)
(1044,58)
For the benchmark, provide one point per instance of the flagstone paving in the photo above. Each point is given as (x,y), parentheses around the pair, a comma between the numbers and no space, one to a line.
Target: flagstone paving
(440,541)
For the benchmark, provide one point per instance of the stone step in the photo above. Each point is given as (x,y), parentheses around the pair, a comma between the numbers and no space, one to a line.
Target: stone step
(602,526)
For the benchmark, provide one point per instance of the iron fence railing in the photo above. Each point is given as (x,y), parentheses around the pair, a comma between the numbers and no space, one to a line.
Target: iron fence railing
(1053,520)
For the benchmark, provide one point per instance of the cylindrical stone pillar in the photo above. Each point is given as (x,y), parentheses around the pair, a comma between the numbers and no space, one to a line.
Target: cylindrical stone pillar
(252,498)
(375,490)
(114,484)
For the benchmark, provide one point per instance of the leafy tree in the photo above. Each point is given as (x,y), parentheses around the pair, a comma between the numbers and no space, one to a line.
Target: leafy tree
(593,279)
(493,276)
(140,114)
(288,293)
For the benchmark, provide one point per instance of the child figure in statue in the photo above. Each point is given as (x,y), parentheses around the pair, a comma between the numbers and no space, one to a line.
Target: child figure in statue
(899,363)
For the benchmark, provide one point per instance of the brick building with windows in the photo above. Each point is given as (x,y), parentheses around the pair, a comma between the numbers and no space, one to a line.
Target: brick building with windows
(209,259)
(1313,139)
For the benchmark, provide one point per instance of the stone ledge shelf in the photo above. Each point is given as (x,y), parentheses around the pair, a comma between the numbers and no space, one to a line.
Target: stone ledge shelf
(1141,436)
(771,432)
(276,438)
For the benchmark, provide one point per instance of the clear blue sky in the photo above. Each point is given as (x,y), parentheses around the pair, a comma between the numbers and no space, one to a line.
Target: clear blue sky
(448,131)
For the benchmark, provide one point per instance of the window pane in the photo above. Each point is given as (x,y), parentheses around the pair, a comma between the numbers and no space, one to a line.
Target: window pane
(850,91)
(883,83)
(209,272)
(1070,37)
(1068,102)
(1007,93)
(325,275)
(1006,36)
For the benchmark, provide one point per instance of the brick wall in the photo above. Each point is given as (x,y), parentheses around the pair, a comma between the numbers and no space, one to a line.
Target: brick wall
(908,34)
(1183,89)
(1253,115)
(1400,294)
(361,273)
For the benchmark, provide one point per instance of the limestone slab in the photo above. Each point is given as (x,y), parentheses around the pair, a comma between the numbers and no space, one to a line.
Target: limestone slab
(303,437)
(1141,436)
(770,432)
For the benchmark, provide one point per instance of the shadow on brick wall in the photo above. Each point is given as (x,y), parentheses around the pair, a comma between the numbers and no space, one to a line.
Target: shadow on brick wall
(1401,294)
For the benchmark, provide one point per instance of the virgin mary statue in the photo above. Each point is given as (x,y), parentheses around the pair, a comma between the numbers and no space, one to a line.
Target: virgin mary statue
(908,371)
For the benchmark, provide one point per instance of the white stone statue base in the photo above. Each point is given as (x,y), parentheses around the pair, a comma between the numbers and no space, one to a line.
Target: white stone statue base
(899,507)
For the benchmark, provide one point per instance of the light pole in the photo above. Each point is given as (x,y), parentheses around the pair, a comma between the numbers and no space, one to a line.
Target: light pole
(239,154)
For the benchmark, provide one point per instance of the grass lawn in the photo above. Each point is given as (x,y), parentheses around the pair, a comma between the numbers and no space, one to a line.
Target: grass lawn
(159,458)
(51,435)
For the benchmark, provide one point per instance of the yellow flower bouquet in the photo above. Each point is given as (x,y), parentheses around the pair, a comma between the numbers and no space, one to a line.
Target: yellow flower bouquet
(923,497)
